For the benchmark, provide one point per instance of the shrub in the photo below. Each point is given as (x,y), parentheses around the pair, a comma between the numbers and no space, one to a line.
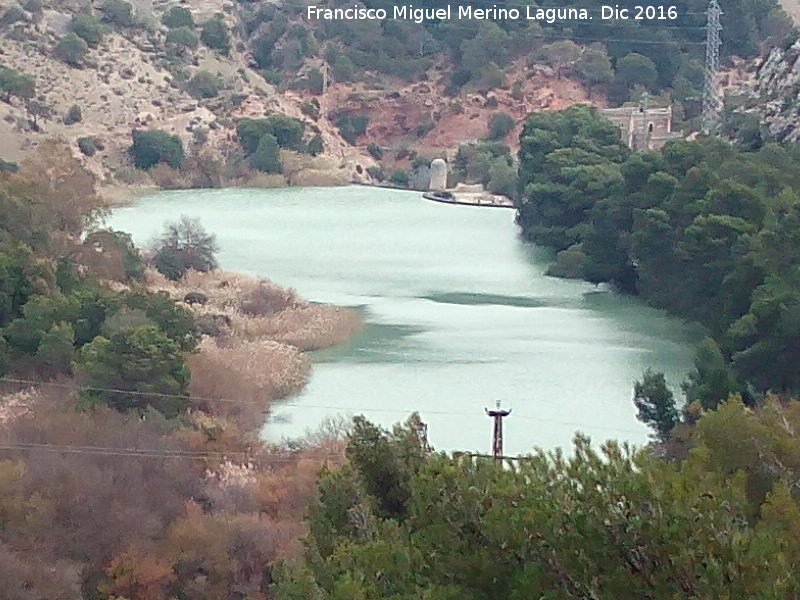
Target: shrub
(399,178)
(185,245)
(141,359)
(8,167)
(74,115)
(14,83)
(376,172)
(315,145)
(12,14)
(351,126)
(88,28)
(315,81)
(204,84)
(183,36)
(287,131)
(310,109)
(88,145)
(500,124)
(152,147)
(178,16)
(117,12)
(267,157)
(215,35)
(375,151)
(71,49)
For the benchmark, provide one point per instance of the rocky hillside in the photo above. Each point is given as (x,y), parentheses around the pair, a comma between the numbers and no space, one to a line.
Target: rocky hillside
(775,94)
(137,76)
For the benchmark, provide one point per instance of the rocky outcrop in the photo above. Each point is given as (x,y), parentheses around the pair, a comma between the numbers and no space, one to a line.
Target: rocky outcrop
(776,93)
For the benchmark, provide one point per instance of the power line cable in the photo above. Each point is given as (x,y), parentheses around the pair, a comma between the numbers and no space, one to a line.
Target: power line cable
(301,404)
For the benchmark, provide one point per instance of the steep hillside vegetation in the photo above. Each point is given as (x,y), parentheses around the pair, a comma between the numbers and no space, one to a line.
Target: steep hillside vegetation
(374,98)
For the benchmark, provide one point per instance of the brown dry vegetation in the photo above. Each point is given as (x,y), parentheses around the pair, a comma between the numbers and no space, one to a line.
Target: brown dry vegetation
(257,309)
(254,351)
(141,527)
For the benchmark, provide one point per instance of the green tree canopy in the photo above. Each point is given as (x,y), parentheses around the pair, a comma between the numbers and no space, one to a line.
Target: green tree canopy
(143,361)
(267,157)
(214,34)
(178,16)
(87,28)
(185,245)
(152,147)
(71,49)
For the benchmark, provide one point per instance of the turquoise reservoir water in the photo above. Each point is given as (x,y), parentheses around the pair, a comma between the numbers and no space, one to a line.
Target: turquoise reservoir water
(459,314)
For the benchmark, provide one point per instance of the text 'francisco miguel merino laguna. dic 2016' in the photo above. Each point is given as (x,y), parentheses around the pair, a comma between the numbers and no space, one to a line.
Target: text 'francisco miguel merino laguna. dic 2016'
(408,12)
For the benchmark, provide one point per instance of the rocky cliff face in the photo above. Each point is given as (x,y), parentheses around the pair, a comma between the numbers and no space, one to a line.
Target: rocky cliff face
(776,92)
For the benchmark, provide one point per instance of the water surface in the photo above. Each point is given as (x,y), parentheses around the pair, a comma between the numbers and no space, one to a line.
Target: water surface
(459,314)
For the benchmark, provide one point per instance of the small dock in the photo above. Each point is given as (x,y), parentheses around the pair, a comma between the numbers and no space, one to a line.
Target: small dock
(472,195)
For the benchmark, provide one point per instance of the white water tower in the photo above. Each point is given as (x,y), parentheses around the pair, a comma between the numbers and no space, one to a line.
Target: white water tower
(438,181)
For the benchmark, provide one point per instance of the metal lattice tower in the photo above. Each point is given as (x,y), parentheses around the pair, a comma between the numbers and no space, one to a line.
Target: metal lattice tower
(711,102)
(497,435)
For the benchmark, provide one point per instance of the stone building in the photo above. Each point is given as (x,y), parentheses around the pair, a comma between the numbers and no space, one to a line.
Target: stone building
(643,128)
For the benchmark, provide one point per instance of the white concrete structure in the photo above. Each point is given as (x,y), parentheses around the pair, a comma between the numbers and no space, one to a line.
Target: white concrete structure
(438,182)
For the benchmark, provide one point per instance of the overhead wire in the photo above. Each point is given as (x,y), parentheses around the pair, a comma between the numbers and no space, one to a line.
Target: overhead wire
(299,404)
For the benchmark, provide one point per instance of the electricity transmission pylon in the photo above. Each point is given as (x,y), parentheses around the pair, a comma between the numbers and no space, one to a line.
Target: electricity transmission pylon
(711,102)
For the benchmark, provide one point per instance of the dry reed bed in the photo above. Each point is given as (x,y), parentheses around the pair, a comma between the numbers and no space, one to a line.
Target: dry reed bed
(257,309)
(259,332)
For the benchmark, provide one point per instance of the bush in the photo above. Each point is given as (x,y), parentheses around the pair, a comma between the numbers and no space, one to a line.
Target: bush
(183,36)
(310,109)
(88,145)
(8,167)
(178,16)
(152,147)
(117,12)
(352,126)
(500,124)
(375,151)
(376,172)
(74,115)
(399,178)
(215,35)
(185,245)
(287,131)
(204,84)
(316,146)
(267,157)
(315,81)
(88,28)
(13,14)
(71,49)
(141,359)
(14,83)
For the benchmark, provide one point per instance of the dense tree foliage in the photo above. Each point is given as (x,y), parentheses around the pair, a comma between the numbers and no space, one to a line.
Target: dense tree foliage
(703,229)
(267,157)
(214,34)
(71,49)
(89,29)
(185,245)
(178,16)
(152,147)
(287,131)
(399,522)
(117,12)
(14,84)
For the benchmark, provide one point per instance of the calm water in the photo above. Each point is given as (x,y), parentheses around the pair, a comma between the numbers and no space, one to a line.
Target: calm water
(458,314)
